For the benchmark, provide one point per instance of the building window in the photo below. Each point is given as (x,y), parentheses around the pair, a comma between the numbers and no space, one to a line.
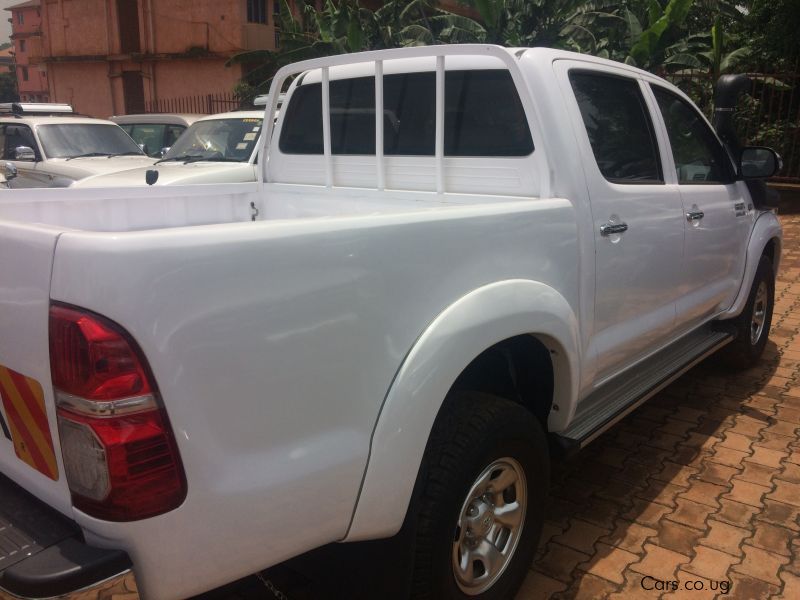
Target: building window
(277,39)
(257,11)
(24,73)
(22,45)
(276,7)
(21,18)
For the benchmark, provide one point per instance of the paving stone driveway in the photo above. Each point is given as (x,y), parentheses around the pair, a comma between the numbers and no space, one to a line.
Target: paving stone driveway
(700,486)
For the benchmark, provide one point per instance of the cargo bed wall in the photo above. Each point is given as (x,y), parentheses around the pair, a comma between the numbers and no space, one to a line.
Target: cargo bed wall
(130,208)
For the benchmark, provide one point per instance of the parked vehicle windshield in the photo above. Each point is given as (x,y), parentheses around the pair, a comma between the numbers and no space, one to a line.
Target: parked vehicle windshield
(71,140)
(153,137)
(218,139)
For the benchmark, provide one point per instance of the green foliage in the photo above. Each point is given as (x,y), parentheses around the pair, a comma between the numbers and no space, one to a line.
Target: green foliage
(778,133)
(649,49)
(345,26)
(772,25)
(692,41)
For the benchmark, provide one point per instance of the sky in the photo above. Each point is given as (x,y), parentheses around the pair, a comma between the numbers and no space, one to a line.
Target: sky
(5,26)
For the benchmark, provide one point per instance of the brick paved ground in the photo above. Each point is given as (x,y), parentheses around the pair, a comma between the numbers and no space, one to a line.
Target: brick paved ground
(701,486)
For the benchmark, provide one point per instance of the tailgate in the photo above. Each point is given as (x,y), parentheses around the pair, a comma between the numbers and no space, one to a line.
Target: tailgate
(29,452)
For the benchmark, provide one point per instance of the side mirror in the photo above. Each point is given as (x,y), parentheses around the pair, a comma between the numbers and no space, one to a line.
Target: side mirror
(11,171)
(164,150)
(24,153)
(759,162)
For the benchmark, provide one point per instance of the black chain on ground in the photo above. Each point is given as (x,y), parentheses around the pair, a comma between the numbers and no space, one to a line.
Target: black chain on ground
(271,587)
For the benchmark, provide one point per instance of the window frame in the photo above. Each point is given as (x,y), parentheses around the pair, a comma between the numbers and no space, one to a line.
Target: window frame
(649,121)
(728,165)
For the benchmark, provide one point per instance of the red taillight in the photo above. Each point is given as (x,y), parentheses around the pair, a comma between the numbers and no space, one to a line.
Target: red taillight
(120,455)
(92,359)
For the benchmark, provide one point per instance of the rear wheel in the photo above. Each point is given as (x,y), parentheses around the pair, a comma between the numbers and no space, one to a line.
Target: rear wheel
(753,324)
(481,506)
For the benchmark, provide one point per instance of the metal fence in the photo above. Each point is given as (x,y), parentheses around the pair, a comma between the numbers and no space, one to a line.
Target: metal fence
(768,116)
(208,104)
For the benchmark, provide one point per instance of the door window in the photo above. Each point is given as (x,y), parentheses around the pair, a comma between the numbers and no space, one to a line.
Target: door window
(698,154)
(619,127)
(16,136)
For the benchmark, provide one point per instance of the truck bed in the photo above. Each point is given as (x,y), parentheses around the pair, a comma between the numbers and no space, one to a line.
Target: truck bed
(138,209)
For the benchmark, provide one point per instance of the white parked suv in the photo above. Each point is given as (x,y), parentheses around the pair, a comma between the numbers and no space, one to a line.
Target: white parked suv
(46,145)
(221,148)
(455,261)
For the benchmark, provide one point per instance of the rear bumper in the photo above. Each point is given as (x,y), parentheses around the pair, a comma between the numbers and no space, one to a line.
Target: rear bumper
(118,587)
(43,555)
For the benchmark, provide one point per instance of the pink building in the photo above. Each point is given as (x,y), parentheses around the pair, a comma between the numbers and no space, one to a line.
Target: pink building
(112,56)
(26,27)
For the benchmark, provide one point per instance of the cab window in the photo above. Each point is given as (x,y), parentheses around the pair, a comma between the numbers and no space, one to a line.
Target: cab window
(698,154)
(483,116)
(619,127)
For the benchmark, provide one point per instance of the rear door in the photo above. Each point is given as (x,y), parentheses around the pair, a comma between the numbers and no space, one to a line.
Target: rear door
(638,218)
(29,452)
(719,213)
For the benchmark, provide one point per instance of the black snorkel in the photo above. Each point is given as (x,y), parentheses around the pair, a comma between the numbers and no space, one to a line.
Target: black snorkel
(726,95)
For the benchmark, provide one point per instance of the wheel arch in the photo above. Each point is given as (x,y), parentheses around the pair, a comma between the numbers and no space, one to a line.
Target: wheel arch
(496,328)
(766,238)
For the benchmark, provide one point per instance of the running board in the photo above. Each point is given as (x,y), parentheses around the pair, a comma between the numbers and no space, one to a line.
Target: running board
(626,392)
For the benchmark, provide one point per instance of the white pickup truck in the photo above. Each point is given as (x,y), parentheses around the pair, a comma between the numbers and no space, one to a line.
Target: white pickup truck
(380,335)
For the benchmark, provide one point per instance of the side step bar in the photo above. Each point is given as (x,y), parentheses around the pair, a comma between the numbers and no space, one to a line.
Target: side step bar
(613,400)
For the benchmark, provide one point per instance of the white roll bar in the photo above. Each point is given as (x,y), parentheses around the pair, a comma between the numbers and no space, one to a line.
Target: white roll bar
(379,57)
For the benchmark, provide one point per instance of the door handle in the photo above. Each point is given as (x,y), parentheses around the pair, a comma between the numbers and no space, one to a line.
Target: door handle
(611,229)
(695,215)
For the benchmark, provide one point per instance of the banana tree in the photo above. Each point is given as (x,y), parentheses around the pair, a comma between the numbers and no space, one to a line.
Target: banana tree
(706,52)
(339,27)
(648,45)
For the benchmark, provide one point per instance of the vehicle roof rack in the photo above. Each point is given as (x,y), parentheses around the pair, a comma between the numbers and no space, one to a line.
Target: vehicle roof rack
(36,108)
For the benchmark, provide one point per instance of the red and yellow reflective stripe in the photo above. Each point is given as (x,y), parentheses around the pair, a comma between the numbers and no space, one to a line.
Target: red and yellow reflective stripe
(23,401)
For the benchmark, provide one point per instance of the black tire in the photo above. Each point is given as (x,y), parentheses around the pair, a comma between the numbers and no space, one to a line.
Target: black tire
(474,431)
(745,351)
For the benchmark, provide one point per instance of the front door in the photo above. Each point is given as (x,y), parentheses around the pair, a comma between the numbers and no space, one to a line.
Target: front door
(719,213)
(637,218)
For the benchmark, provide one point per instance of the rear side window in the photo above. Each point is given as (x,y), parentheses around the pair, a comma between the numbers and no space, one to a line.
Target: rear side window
(619,127)
(483,116)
